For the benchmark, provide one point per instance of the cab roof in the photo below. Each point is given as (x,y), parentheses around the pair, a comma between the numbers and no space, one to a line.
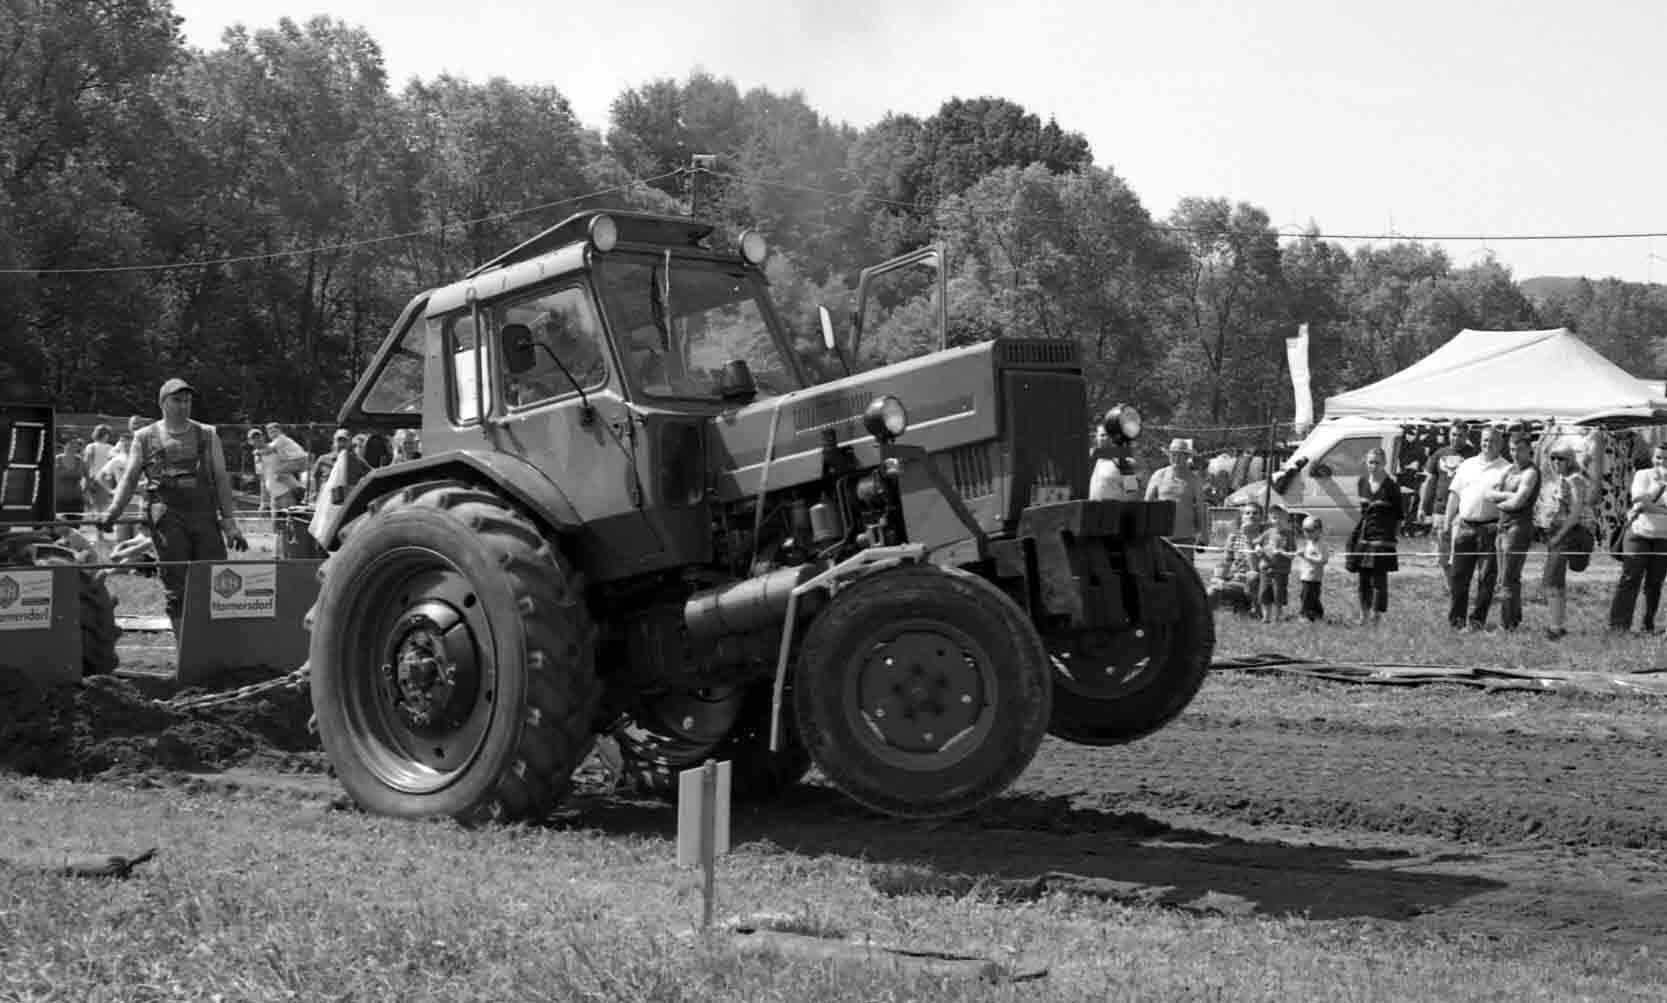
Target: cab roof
(634,228)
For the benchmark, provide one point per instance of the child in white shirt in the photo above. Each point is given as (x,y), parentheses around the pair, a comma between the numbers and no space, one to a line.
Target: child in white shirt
(1311,557)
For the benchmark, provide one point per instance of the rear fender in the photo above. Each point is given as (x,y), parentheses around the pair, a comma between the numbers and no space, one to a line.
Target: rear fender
(519,480)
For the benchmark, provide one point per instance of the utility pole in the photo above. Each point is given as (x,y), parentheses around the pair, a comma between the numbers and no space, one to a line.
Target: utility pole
(699,164)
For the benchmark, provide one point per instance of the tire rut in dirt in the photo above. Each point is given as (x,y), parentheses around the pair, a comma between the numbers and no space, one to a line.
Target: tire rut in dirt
(544,681)
(1477,787)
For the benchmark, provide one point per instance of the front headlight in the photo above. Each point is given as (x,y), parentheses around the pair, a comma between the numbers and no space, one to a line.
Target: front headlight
(1129,422)
(1122,422)
(886,418)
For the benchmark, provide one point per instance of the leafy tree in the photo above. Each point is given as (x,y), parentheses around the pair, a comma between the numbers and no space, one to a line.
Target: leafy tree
(1230,313)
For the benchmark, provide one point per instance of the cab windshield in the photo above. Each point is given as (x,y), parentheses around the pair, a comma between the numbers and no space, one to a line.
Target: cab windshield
(678,327)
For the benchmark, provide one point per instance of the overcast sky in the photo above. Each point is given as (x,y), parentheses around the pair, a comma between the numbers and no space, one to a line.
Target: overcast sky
(1419,118)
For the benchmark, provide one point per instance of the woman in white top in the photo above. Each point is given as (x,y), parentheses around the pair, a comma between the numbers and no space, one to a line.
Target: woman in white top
(1644,547)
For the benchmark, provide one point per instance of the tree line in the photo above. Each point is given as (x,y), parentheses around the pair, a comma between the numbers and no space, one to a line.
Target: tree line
(255,215)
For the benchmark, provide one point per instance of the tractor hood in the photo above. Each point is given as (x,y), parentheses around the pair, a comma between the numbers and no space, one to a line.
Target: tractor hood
(993,414)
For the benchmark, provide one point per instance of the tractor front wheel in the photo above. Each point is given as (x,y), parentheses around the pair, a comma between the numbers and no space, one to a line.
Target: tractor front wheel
(1115,688)
(452,657)
(922,692)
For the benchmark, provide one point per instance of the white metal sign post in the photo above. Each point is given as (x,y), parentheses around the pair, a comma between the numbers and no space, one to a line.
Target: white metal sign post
(703,825)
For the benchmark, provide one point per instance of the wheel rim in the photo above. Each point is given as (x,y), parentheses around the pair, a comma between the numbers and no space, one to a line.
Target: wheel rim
(922,697)
(421,680)
(1104,665)
(682,726)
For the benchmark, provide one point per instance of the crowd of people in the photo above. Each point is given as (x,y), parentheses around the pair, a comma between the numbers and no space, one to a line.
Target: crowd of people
(284,473)
(1479,501)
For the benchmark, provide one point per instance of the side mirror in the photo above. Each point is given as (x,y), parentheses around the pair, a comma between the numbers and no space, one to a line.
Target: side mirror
(828,340)
(516,343)
(735,383)
(1320,470)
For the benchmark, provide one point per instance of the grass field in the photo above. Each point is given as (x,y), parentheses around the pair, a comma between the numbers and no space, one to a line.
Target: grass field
(262,892)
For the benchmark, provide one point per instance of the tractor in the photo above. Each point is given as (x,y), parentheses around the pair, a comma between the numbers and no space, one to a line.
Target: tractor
(640,512)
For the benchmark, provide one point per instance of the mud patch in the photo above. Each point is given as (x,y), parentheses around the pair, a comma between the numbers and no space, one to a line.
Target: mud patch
(111,726)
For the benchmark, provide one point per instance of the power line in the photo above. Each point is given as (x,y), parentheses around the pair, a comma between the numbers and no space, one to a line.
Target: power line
(1198,231)
(920,207)
(344,245)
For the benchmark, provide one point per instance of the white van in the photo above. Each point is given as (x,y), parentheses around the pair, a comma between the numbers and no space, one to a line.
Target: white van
(1319,478)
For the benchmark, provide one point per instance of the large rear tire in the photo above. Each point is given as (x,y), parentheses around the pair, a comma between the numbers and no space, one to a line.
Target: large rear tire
(656,749)
(452,660)
(99,632)
(1116,689)
(922,692)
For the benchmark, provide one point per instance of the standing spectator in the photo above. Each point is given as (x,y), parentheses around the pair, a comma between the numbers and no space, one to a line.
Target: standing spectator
(1432,498)
(1643,547)
(282,461)
(1516,495)
(1312,554)
(1474,523)
(1570,534)
(110,475)
(1235,585)
(188,494)
(69,484)
(94,494)
(1381,512)
(1180,484)
(1113,477)
(255,440)
(342,452)
(408,445)
(1274,551)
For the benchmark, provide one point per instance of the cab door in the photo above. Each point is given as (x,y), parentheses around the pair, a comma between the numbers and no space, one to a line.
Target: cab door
(559,407)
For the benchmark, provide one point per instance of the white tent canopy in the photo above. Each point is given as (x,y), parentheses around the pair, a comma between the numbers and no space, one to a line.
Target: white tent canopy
(1503,375)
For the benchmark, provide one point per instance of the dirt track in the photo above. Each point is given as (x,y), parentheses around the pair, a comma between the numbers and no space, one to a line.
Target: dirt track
(1438,807)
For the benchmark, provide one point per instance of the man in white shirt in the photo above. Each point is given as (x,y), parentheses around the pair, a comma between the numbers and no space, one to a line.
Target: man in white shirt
(1180,484)
(1473,521)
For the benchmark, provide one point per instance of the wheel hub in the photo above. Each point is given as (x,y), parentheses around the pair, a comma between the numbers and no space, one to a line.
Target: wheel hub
(1104,664)
(431,674)
(920,691)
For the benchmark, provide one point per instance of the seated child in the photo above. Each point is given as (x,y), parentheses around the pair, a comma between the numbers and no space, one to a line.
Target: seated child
(1234,585)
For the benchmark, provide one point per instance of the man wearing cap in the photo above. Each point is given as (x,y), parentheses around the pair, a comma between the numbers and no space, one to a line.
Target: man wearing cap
(1180,484)
(187,495)
(341,452)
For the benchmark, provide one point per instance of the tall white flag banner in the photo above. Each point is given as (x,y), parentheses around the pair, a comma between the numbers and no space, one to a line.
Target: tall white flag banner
(1296,354)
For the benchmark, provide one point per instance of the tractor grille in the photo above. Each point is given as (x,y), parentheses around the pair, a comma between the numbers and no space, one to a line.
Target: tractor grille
(1045,432)
(1031,353)
(830,410)
(972,471)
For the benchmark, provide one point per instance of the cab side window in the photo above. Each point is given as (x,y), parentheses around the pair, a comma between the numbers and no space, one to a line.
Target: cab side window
(1347,459)
(565,330)
(462,345)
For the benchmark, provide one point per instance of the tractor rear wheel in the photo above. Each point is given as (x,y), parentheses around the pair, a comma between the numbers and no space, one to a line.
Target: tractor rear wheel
(99,631)
(1114,689)
(452,659)
(662,740)
(922,692)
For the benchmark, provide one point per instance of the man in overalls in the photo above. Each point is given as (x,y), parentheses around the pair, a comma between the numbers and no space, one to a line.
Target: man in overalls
(188,497)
